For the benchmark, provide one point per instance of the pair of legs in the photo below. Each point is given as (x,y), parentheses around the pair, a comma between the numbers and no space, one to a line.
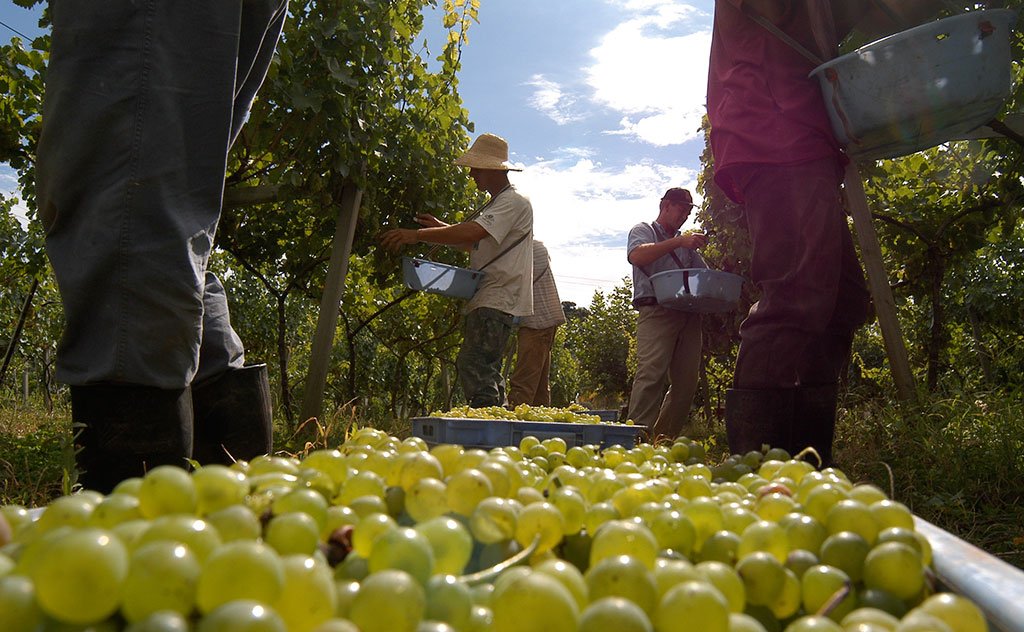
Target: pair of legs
(143,101)
(668,351)
(485,332)
(529,381)
(796,339)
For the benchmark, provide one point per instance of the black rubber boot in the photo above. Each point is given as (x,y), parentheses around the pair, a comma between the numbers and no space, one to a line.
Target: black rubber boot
(128,430)
(755,417)
(814,420)
(233,417)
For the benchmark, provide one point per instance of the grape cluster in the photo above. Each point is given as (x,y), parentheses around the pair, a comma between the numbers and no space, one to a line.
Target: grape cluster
(574,413)
(384,534)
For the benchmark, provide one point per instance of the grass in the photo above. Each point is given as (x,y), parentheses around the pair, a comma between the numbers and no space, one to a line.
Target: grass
(957,462)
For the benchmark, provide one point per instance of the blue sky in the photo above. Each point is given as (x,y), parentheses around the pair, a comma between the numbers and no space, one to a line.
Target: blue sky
(600,101)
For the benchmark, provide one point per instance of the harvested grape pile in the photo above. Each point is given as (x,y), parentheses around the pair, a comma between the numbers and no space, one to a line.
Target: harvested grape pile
(384,535)
(574,413)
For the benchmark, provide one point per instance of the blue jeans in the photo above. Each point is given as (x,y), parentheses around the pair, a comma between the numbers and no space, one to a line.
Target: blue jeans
(143,101)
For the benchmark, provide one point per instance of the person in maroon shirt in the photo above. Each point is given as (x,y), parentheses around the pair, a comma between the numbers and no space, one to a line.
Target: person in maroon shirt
(775,153)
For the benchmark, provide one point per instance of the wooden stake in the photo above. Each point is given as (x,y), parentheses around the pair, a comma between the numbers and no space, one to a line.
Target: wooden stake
(878,282)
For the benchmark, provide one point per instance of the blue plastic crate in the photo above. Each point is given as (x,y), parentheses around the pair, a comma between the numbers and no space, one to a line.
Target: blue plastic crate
(493,433)
(605,415)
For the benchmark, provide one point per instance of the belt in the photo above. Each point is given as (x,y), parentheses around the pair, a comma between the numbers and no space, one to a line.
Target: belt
(644,301)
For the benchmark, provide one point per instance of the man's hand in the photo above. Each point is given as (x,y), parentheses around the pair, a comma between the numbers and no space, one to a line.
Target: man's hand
(429,221)
(693,240)
(394,239)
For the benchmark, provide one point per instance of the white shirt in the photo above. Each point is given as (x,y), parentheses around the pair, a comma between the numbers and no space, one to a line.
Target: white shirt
(507,284)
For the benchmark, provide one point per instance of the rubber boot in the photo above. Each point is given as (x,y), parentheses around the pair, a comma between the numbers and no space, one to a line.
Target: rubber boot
(756,417)
(128,430)
(814,420)
(233,417)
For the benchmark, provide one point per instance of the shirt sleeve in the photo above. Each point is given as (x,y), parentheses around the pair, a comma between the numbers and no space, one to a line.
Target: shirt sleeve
(640,234)
(499,217)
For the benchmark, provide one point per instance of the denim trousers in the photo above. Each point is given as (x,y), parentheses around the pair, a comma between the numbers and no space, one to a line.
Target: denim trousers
(144,99)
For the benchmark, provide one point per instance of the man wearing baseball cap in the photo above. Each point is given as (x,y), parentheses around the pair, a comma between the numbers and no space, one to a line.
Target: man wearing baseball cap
(500,242)
(668,341)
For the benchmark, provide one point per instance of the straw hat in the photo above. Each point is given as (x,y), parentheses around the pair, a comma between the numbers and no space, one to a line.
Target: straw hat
(487,152)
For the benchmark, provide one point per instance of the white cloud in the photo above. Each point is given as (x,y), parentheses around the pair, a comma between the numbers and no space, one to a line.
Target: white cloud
(583,211)
(9,188)
(653,68)
(549,98)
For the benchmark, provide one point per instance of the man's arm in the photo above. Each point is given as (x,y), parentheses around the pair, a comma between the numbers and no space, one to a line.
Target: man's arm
(453,235)
(646,254)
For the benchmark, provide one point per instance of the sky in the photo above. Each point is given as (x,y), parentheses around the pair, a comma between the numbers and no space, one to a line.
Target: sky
(601,103)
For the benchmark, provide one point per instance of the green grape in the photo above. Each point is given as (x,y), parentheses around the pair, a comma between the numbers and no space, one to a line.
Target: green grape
(570,503)
(163,621)
(706,516)
(534,602)
(466,489)
(338,516)
(236,522)
(820,584)
(799,560)
(353,567)
(955,611)
(450,543)
(364,483)
(895,568)
(789,599)
(627,499)
(368,529)
(78,577)
(308,597)
(763,577)
(66,511)
(912,538)
(692,606)
(413,466)
(242,615)
(161,576)
(722,546)
(113,510)
(623,576)
(218,486)
(614,613)
(803,532)
(569,576)
(881,600)
(540,519)
(820,500)
(448,600)
(427,498)
(19,611)
(388,601)
(852,515)
(167,489)
(743,622)
(867,494)
(668,573)
(131,531)
(846,551)
(673,530)
(331,462)
(528,496)
(367,505)
(447,455)
(598,514)
(494,520)
(814,623)
(764,536)
(240,570)
(736,517)
(293,533)
(872,616)
(345,591)
(501,484)
(774,505)
(304,501)
(890,513)
(919,621)
(129,486)
(403,549)
(198,535)
(727,581)
(624,537)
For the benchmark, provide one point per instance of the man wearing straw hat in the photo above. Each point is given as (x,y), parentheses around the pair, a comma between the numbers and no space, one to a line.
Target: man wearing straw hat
(775,153)
(500,242)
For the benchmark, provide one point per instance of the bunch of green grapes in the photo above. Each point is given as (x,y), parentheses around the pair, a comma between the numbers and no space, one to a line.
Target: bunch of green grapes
(390,534)
(574,413)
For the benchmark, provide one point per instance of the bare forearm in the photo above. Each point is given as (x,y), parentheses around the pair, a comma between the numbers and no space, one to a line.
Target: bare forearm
(458,235)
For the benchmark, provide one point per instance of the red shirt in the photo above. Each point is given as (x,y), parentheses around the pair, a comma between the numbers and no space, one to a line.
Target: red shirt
(763,107)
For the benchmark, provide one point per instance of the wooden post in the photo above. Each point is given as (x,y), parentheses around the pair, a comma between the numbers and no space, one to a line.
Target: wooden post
(334,289)
(878,281)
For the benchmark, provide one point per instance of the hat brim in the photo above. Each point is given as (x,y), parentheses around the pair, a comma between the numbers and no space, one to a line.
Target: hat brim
(476,162)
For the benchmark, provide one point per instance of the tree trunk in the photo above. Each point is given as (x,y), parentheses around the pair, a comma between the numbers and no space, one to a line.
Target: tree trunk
(283,355)
(981,349)
(16,336)
(936,338)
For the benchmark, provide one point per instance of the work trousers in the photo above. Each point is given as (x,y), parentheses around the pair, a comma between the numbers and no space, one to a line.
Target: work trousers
(668,351)
(143,101)
(529,381)
(485,332)
(813,294)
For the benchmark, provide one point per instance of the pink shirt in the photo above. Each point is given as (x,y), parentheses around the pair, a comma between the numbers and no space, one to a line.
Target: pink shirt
(763,107)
